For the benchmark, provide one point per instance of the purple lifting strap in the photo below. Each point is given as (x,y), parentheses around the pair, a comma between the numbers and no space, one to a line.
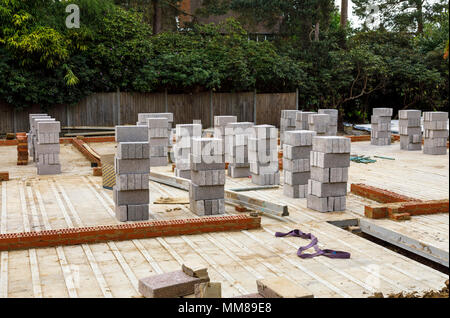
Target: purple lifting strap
(313,243)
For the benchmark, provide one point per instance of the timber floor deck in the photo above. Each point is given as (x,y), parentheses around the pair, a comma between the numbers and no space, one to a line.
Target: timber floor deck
(75,198)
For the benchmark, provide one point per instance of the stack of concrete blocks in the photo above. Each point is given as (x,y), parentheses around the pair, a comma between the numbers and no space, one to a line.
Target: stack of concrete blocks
(46,149)
(327,187)
(319,123)
(287,123)
(132,164)
(296,162)
(332,124)
(380,134)
(220,122)
(182,148)
(263,155)
(32,135)
(158,138)
(302,120)
(207,187)
(436,133)
(236,149)
(142,121)
(410,129)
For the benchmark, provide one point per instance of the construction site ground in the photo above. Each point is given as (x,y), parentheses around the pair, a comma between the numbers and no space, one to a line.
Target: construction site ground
(236,259)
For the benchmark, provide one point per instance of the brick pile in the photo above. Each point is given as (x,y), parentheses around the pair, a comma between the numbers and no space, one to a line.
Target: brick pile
(207,187)
(236,149)
(22,149)
(333,120)
(296,162)
(47,148)
(410,129)
(131,165)
(327,187)
(380,134)
(158,138)
(263,155)
(182,148)
(436,133)
(142,121)
(287,123)
(302,120)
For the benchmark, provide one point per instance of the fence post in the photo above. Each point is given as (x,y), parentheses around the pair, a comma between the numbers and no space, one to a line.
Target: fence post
(118,106)
(296,98)
(211,108)
(166,105)
(14,121)
(254,106)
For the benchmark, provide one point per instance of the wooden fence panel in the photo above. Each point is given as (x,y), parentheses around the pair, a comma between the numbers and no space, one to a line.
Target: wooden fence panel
(269,106)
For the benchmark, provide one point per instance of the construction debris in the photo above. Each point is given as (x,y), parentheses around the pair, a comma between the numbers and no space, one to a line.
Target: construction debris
(281,287)
(362,159)
(208,290)
(4,176)
(443,293)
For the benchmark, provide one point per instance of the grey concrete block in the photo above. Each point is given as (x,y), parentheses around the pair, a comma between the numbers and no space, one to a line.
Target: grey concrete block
(131,197)
(134,181)
(380,141)
(138,212)
(409,114)
(329,204)
(198,166)
(207,147)
(435,125)
(158,142)
(428,150)
(299,137)
(124,166)
(264,168)
(206,193)
(333,113)
(294,178)
(132,150)
(296,165)
(319,123)
(295,191)
(382,111)
(44,169)
(47,148)
(49,127)
(157,123)
(329,175)
(329,160)
(265,145)
(224,120)
(208,177)
(377,120)
(264,132)
(238,172)
(299,152)
(266,179)
(323,190)
(131,133)
(159,161)
(159,151)
(435,116)
(186,174)
(431,134)
(121,213)
(47,138)
(331,144)
(409,122)
(188,130)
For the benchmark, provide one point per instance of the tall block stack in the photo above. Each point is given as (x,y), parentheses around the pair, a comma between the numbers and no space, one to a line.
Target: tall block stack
(131,164)
(327,187)
(32,135)
(47,147)
(333,120)
(380,134)
(296,162)
(319,123)
(263,155)
(302,120)
(410,129)
(207,187)
(158,139)
(182,148)
(436,133)
(287,123)
(22,149)
(220,122)
(142,121)
(236,149)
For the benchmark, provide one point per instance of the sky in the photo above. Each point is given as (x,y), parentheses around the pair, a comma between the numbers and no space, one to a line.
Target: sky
(353,18)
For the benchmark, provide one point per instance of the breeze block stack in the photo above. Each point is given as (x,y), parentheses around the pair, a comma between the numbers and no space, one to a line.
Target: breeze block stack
(182,148)
(132,165)
(236,149)
(220,123)
(380,134)
(287,123)
(32,135)
(436,133)
(410,129)
(207,187)
(263,155)
(296,162)
(302,120)
(333,120)
(142,121)
(46,149)
(319,123)
(330,160)
(158,139)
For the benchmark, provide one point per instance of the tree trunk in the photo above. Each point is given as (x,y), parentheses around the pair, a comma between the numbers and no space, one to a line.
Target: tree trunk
(419,17)
(344,13)
(157,17)
(316,32)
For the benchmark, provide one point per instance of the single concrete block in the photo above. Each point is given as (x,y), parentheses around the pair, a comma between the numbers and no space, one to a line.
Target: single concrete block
(295,191)
(124,166)
(298,152)
(206,193)
(188,130)
(329,175)
(238,172)
(169,285)
(435,116)
(266,179)
(208,177)
(296,165)
(409,114)
(208,290)
(224,120)
(121,213)
(131,197)
(382,111)
(49,127)
(157,123)
(280,287)
(294,178)
(131,133)
(186,174)
(329,160)
(264,132)
(324,190)
(331,144)
(299,137)
(44,169)
(158,161)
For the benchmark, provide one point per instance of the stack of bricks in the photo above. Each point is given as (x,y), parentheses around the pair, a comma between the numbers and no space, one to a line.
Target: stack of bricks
(333,120)
(220,123)
(22,149)
(131,165)
(410,129)
(158,138)
(287,123)
(436,133)
(319,123)
(46,149)
(327,187)
(263,155)
(296,162)
(302,120)
(207,187)
(236,149)
(142,121)
(182,148)
(380,134)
